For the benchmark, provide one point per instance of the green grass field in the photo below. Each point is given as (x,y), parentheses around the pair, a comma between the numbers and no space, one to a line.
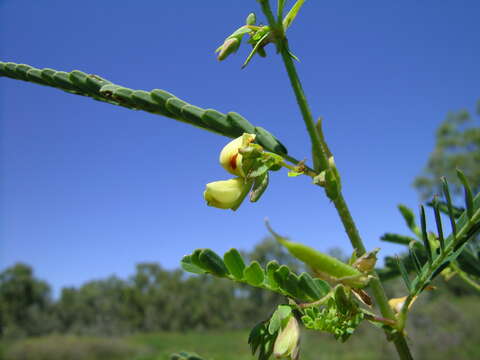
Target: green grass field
(440,330)
(213,345)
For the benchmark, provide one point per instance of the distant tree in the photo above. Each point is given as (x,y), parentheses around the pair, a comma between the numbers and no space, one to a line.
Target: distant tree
(457,146)
(25,303)
(97,307)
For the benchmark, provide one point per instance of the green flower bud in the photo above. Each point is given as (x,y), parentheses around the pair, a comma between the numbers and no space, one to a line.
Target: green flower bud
(287,342)
(226,194)
(230,46)
(231,159)
(251,19)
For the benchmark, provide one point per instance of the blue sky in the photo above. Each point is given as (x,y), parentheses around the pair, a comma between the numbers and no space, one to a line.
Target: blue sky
(89,189)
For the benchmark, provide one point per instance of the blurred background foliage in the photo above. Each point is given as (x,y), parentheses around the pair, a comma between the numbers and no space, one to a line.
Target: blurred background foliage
(457,145)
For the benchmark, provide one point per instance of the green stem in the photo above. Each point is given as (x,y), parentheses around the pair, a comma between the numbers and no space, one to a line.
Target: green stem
(318,149)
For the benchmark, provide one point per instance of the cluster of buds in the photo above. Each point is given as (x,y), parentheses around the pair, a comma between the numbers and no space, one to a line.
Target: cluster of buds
(229,194)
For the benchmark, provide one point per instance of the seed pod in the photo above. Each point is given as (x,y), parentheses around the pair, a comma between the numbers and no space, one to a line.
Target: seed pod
(319,262)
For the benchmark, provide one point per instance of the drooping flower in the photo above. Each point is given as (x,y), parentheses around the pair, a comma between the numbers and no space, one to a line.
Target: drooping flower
(231,159)
(226,194)
(287,342)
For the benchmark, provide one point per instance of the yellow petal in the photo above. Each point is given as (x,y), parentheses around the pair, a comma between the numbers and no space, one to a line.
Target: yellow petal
(230,158)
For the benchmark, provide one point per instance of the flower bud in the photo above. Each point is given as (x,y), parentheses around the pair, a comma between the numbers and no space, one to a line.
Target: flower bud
(287,342)
(231,159)
(230,46)
(226,194)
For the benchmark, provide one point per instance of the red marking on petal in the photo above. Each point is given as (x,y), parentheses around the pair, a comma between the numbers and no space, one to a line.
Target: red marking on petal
(233,161)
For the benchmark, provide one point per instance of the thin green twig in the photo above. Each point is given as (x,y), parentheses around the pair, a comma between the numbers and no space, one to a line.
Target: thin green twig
(319,150)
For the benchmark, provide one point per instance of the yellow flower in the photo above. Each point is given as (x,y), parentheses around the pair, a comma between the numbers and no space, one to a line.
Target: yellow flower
(226,194)
(286,344)
(397,303)
(230,158)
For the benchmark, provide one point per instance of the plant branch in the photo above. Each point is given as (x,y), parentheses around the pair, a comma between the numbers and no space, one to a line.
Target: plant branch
(319,150)
(157,101)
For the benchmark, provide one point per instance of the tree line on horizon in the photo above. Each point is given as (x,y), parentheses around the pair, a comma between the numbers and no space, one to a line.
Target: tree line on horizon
(152,299)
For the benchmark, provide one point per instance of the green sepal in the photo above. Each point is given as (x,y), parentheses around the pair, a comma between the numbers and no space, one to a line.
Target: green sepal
(258,45)
(254,274)
(234,263)
(260,184)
